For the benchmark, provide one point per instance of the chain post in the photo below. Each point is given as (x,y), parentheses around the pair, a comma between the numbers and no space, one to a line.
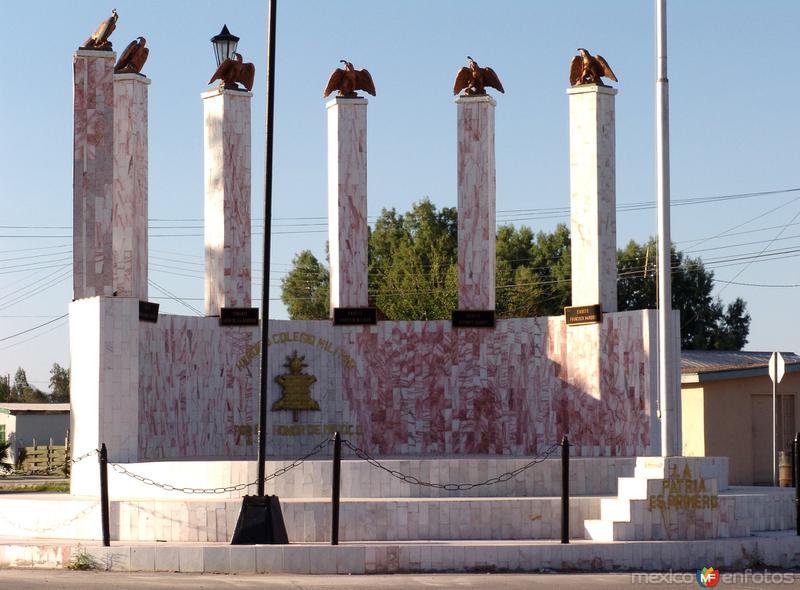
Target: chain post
(337,472)
(103,457)
(565,490)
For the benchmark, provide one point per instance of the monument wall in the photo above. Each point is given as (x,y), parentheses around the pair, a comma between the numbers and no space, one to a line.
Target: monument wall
(400,388)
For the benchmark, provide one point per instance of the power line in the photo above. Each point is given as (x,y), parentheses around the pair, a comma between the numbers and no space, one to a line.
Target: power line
(32,329)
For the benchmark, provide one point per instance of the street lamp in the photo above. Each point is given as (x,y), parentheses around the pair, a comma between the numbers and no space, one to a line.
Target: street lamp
(224,45)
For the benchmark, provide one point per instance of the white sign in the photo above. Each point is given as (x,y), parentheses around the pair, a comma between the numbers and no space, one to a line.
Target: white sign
(777,367)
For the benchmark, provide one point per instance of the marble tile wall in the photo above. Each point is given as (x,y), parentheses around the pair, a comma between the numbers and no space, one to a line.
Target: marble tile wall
(592,154)
(347,201)
(399,388)
(129,217)
(92,173)
(477,194)
(227,199)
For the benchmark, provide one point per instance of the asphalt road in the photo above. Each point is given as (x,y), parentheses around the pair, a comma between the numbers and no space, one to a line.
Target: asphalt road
(26,579)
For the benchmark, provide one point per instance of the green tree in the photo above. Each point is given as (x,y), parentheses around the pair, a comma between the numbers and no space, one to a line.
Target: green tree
(413,262)
(413,274)
(305,289)
(59,383)
(5,388)
(22,391)
(705,323)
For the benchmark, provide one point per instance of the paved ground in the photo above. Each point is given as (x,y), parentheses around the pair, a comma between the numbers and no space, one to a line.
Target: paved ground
(25,579)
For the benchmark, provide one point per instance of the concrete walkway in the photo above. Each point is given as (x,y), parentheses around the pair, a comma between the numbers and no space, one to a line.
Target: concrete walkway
(773,549)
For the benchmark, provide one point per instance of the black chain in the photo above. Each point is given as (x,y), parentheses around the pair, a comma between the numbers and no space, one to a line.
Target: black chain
(220,490)
(453,487)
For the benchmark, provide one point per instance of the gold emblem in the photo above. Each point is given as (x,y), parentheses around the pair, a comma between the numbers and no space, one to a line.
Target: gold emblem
(296,387)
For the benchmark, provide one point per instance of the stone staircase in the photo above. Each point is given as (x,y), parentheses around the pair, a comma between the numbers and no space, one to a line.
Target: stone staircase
(670,498)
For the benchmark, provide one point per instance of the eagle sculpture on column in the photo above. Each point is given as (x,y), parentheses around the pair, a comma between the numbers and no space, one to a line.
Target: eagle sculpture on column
(233,71)
(348,80)
(474,79)
(588,69)
(133,58)
(99,39)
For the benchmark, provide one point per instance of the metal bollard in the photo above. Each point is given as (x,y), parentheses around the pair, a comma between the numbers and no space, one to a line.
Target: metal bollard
(565,490)
(337,470)
(103,457)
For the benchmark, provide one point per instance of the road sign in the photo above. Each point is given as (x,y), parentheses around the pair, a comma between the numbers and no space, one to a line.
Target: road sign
(777,367)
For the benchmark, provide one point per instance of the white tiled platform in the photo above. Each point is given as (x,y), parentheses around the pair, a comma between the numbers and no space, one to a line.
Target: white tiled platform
(775,550)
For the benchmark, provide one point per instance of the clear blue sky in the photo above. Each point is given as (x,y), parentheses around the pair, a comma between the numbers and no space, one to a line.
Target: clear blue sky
(734,130)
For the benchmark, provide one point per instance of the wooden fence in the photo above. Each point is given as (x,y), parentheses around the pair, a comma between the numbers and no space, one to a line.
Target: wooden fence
(46,459)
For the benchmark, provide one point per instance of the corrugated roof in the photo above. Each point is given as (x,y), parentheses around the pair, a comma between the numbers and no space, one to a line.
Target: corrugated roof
(709,361)
(13,407)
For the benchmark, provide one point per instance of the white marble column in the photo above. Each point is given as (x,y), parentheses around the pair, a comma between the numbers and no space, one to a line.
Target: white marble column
(477,193)
(347,201)
(227,199)
(592,173)
(92,173)
(130,185)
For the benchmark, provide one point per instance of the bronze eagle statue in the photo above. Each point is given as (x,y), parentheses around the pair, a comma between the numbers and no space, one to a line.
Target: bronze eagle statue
(589,69)
(233,71)
(99,39)
(133,58)
(348,80)
(474,80)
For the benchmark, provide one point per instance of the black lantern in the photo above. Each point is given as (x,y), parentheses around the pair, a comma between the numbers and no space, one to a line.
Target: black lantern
(224,45)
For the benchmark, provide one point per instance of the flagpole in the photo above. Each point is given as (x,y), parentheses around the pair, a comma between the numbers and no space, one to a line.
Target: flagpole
(666,354)
(262,398)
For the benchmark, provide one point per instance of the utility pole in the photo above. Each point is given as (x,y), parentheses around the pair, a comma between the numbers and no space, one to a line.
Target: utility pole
(666,360)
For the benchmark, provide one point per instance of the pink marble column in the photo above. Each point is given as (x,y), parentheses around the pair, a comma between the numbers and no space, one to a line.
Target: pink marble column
(227,199)
(593,201)
(477,188)
(130,185)
(92,173)
(347,201)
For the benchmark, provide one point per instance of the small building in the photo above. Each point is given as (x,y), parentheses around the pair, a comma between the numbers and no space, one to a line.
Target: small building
(22,424)
(726,409)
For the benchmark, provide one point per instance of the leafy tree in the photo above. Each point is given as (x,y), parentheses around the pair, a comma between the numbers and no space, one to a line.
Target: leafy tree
(705,324)
(305,289)
(59,383)
(413,262)
(413,274)
(5,456)
(22,391)
(5,388)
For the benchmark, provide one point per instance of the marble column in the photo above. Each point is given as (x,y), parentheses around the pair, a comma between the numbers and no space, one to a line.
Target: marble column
(130,185)
(92,173)
(227,199)
(347,201)
(477,188)
(592,174)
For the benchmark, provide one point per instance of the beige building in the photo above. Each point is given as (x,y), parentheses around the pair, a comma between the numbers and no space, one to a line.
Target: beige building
(727,409)
(23,424)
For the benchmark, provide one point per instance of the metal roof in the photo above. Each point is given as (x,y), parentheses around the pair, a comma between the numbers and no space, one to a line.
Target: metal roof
(706,365)
(15,408)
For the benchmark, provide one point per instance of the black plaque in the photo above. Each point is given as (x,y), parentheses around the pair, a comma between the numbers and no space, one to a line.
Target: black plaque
(354,316)
(473,318)
(238,316)
(148,312)
(580,315)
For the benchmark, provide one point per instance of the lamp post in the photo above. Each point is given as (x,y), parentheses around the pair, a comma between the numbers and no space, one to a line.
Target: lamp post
(224,45)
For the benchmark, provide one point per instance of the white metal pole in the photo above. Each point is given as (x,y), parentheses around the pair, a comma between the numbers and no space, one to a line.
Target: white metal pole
(774,361)
(666,381)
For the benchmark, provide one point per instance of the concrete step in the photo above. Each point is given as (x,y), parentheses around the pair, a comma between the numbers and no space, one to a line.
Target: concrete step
(617,509)
(632,488)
